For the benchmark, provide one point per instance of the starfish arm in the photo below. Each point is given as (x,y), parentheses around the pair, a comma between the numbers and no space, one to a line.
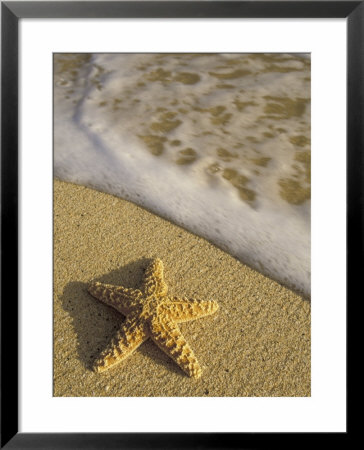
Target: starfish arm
(185,309)
(153,283)
(130,336)
(166,334)
(122,299)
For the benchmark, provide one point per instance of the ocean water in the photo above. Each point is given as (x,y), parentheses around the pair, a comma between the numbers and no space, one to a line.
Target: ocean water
(217,143)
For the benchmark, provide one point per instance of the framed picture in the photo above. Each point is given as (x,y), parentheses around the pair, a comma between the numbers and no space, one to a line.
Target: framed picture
(156,157)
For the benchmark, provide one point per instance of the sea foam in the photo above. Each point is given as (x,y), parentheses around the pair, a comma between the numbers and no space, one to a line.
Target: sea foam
(217,143)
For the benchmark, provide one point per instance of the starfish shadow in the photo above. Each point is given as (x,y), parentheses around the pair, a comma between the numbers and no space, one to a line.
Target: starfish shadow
(95,323)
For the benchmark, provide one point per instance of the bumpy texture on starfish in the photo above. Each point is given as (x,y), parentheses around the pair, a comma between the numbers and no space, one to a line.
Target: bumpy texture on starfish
(151,313)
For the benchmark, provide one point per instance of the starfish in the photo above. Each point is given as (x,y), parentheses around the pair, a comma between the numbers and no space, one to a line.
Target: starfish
(150,313)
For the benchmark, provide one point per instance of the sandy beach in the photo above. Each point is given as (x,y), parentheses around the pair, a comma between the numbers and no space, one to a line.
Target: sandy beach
(257,344)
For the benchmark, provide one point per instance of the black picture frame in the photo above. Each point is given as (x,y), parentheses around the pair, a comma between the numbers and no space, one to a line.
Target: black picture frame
(11,12)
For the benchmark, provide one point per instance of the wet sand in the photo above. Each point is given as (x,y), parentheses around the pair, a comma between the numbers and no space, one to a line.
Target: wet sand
(257,344)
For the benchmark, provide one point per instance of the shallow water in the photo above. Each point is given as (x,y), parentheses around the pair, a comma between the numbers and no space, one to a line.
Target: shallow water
(217,143)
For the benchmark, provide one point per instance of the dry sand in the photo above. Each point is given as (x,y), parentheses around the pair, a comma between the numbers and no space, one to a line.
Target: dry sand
(257,344)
